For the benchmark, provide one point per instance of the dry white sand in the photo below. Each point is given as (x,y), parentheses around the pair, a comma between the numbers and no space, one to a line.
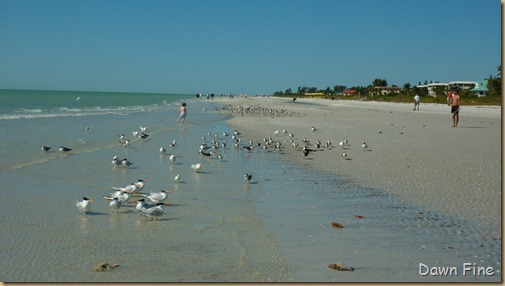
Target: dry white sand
(416,155)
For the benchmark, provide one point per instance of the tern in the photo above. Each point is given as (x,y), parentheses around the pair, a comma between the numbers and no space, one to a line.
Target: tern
(344,155)
(172,158)
(143,129)
(163,150)
(155,211)
(364,146)
(83,205)
(142,204)
(116,161)
(45,148)
(313,128)
(115,204)
(173,144)
(65,149)
(196,167)
(220,157)
(125,162)
(247,177)
(157,197)
(177,178)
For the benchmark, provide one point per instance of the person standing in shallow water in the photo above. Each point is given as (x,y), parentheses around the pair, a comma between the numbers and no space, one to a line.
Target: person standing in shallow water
(182,113)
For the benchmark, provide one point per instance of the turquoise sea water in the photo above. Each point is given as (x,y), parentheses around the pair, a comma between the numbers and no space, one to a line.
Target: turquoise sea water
(217,228)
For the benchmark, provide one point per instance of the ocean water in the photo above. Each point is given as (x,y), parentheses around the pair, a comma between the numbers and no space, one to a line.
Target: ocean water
(217,228)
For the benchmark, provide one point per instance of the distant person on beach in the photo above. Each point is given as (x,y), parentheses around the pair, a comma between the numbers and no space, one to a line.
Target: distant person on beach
(182,113)
(455,107)
(416,102)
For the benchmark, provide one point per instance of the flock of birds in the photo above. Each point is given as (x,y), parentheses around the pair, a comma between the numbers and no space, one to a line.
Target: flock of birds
(152,205)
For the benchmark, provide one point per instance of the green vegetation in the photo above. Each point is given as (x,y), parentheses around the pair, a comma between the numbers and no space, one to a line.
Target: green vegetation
(371,93)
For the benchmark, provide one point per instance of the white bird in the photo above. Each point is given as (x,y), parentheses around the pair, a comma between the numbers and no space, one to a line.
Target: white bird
(276,132)
(344,155)
(143,129)
(172,158)
(342,144)
(177,178)
(313,128)
(155,211)
(364,146)
(173,143)
(142,204)
(284,131)
(115,204)
(247,177)
(163,150)
(220,157)
(139,185)
(196,167)
(225,134)
(157,197)
(135,133)
(84,205)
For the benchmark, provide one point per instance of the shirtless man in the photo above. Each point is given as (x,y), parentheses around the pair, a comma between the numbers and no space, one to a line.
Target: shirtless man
(454,102)
(182,113)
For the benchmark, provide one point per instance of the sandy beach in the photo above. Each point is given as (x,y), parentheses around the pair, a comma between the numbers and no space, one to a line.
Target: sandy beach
(416,155)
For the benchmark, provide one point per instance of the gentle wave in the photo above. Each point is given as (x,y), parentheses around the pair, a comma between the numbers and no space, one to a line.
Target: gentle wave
(66,112)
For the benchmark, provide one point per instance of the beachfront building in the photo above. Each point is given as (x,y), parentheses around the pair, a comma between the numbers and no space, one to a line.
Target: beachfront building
(431,87)
(349,92)
(462,85)
(480,88)
(385,90)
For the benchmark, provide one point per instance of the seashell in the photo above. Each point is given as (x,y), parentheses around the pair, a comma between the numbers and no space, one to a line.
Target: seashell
(340,267)
(337,225)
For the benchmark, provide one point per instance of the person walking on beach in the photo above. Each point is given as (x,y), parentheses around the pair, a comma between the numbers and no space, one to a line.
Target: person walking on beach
(416,102)
(455,107)
(182,113)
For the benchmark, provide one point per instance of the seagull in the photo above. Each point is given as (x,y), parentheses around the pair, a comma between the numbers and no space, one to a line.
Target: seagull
(247,177)
(364,146)
(155,211)
(45,148)
(84,205)
(65,149)
(172,158)
(177,178)
(196,167)
(126,163)
(344,155)
(163,150)
(157,197)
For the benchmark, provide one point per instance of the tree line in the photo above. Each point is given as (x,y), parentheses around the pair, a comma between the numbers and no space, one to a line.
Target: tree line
(493,85)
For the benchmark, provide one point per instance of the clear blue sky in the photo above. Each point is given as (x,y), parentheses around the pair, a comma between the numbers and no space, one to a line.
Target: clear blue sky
(239,46)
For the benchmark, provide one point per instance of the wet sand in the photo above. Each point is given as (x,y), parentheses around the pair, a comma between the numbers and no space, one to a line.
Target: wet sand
(416,155)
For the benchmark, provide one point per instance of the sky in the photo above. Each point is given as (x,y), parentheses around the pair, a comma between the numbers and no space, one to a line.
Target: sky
(244,46)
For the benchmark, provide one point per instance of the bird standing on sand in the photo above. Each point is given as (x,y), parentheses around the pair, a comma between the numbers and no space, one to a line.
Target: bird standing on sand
(125,162)
(115,204)
(344,155)
(84,205)
(196,167)
(155,211)
(364,146)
